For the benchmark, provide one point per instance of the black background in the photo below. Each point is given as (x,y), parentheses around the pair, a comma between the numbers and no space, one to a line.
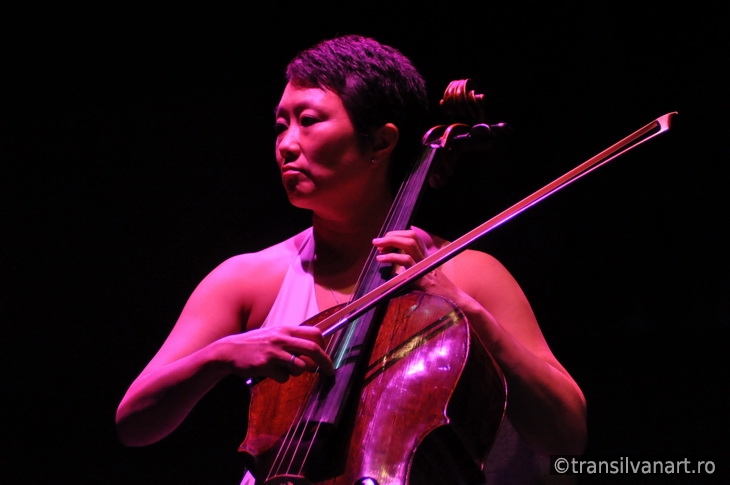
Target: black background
(138,154)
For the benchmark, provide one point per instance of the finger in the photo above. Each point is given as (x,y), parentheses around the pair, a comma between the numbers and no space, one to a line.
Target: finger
(309,350)
(295,365)
(396,259)
(409,233)
(394,241)
(317,361)
(405,241)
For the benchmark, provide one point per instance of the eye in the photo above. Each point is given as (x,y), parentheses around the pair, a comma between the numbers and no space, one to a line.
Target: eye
(308,120)
(279,128)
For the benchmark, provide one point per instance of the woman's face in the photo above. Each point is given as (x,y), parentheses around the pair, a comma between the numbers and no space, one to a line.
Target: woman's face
(322,163)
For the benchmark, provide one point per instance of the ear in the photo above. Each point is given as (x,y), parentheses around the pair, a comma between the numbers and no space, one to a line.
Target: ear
(385,139)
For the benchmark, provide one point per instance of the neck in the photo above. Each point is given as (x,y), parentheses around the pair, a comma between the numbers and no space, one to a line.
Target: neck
(343,243)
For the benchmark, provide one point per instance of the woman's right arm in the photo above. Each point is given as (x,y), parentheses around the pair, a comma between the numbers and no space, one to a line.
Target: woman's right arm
(208,343)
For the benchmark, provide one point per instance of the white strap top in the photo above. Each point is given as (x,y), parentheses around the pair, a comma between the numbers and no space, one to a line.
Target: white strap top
(296,300)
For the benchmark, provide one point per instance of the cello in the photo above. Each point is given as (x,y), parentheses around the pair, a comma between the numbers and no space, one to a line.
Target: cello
(370,423)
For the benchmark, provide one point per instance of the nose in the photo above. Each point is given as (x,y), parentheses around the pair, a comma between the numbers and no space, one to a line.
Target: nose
(287,145)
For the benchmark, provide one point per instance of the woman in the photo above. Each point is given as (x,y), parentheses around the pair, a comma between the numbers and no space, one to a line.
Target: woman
(349,112)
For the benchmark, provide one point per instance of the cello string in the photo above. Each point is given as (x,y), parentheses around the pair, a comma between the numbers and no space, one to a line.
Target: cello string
(315,432)
(284,459)
(292,442)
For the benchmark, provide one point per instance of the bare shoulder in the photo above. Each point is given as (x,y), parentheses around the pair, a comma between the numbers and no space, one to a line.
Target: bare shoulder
(476,272)
(251,268)
(253,279)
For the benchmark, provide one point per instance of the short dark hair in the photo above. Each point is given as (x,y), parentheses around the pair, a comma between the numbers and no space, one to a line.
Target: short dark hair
(377,84)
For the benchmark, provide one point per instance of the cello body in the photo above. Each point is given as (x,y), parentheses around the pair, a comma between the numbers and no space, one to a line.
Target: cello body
(426,410)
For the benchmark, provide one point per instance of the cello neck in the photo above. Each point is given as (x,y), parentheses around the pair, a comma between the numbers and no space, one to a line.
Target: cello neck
(400,214)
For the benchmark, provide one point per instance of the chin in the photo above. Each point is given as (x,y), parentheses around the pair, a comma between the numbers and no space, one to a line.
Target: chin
(298,200)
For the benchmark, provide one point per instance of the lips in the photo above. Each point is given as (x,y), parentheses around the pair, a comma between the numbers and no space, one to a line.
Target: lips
(289,167)
(288,174)
(291,176)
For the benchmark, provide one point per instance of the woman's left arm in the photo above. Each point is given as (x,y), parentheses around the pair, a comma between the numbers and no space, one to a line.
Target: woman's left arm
(545,404)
